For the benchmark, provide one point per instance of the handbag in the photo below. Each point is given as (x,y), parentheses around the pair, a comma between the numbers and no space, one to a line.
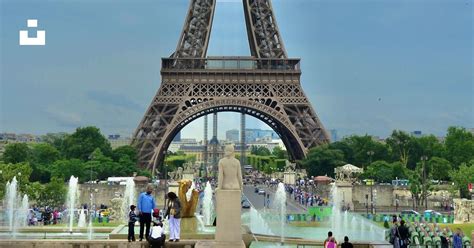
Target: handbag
(172,209)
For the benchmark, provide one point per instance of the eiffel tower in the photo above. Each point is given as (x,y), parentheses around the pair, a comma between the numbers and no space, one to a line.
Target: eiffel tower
(265,85)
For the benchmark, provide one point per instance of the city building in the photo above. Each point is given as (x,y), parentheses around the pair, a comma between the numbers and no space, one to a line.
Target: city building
(251,135)
(177,138)
(8,136)
(116,140)
(232,135)
(417,134)
(176,145)
(334,137)
(198,151)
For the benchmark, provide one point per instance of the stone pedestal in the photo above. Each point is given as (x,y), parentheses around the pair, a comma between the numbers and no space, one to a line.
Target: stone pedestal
(228,215)
(344,190)
(289,178)
(188,176)
(228,229)
(173,187)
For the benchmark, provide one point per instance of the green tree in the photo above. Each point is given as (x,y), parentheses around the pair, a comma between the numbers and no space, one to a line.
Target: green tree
(459,145)
(56,140)
(53,193)
(279,153)
(84,141)
(322,160)
(16,153)
(416,188)
(462,177)
(99,166)
(361,150)
(122,151)
(67,168)
(429,146)
(384,172)
(33,190)
(21,171)
(260,150)
(43,155)
(401,147)
(440,168)
(420,183)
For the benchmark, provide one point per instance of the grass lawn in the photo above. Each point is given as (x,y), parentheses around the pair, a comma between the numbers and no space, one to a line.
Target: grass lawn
(305,223)
(466,228)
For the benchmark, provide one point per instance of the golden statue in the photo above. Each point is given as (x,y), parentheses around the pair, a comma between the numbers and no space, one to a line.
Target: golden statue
(188,208)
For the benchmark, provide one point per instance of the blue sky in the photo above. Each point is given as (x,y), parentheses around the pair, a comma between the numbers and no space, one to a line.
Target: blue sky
(368,66)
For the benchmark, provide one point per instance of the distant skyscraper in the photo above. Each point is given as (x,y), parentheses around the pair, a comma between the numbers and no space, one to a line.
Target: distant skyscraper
(252,135)
(232,135)
(334,137)
(417,133)
(177,138)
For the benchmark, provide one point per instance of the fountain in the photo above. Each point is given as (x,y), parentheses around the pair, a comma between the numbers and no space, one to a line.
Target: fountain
(89,227)
(280,205)
(208,205)
(71,200)
(16,210)
(358,226)
(128,198)
(82,219)
(23,211)
(11,200)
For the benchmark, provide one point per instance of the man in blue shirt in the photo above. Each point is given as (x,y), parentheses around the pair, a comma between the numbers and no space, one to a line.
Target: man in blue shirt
(146,204)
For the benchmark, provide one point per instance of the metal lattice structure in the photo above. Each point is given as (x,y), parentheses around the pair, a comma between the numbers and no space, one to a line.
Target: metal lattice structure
(266,86)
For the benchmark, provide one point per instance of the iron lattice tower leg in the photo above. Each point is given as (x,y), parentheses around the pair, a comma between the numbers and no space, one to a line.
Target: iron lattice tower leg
(215,144)
(266,86)
(243,160)
(205,149)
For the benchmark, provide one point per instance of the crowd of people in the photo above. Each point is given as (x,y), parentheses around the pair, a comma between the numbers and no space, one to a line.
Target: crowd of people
(55,215)
(45,215)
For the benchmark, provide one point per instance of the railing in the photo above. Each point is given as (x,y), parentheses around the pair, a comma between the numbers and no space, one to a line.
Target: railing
(230,63)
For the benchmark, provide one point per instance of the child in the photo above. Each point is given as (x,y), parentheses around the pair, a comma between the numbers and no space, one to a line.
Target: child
(132,218)
(157,237)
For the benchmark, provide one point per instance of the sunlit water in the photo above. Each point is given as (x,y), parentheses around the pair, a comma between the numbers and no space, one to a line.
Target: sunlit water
(71,200)
(128,198)
(208,205)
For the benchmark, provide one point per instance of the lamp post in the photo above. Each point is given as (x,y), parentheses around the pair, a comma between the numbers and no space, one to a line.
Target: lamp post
(425,195)
(367,204)
(370,154)
(375,201)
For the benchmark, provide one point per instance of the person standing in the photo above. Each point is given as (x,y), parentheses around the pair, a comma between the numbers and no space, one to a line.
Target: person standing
(457,239)
(394,236)
(173,212)
(146,204)
(329,239)
(404,235)
(132,218)
(346,243)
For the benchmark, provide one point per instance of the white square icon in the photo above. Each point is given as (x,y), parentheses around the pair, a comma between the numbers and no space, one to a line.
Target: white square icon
(32,23)
(26,40)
